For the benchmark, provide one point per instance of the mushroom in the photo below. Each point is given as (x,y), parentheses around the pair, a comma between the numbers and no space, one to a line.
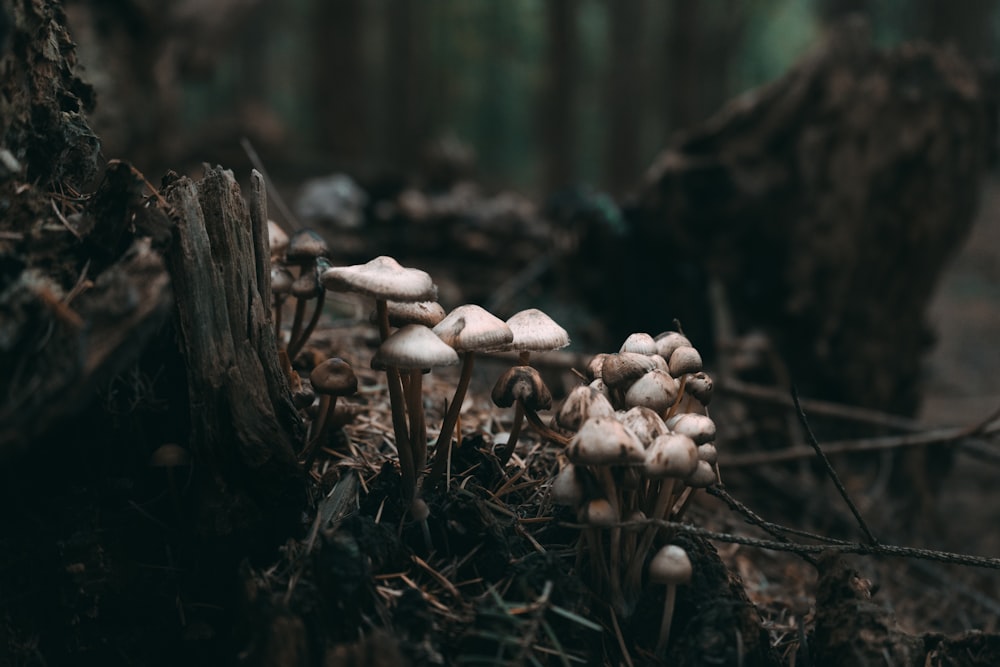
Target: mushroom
(670,566)
(582,403)
(330,379)
(170,456)
(468,329)
(668,341)
(414,348)
(523,386)
(277,240)
(640,343)
(305,287)
(383,278)
(656,390)
(281,287)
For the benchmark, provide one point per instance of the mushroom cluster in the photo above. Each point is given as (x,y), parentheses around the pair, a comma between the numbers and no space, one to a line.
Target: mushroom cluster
(641,442)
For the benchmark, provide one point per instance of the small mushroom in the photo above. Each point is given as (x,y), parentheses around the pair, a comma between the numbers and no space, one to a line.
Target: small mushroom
(330,379)
(670,566)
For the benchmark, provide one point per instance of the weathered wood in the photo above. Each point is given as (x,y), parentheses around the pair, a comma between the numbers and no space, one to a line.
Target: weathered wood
(826,205)
(243,424)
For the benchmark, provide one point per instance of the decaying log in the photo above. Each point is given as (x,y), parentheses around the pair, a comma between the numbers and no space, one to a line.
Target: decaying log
(243,424)
(825,204)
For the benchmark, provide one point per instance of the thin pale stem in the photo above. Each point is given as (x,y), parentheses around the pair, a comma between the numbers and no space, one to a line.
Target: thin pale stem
(442,447)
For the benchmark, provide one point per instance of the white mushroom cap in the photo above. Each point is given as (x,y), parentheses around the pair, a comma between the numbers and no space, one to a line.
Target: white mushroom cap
(671,455)
(382,278)
(594,366)
(668,341)
(534,331)
(699,428)
(670,565)
(604,441)
(567,487)
(414,346)
(685,359)
(471,327)
(655,390)
(581,404)
(703,476)
(640,343)
(708,453)
(646,424)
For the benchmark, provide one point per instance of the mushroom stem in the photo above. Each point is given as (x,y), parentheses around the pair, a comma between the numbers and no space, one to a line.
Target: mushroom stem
(408,484)
(442,446)
(300,313)
(544,430)
(614,576)
(418,424)
(633,574)
(327,406)
(505,451)
(665,622)
(296,345)
(279,302)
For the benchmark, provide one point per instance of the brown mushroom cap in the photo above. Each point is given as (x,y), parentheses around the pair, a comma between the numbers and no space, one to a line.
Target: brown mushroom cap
(623,368)
(471,327)
(281,280)
(304,246)
(402,313)
(169,455)
(334,377)
(700,386)
(414,346)
(521,383)
(306,286)
(382,278)
(534,331)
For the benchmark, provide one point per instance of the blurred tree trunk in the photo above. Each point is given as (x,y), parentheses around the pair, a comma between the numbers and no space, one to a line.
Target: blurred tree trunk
(339,81)
(623,95)
(558,116)
(408,108)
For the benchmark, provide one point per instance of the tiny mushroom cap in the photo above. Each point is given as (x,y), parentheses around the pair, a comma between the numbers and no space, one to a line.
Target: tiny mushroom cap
(656,390)
(281,280)
(567,487)
(277,239)
(169,455)
(598,512)
(703,476)
(304,246)
(640,343)
(645,423)
(671,455)
(412,347)
(581,404)
(700,386)
(402,313)
(334,377)
(699,428)
(671,566)
(668,341)
(521,383)
(534,331)
(708,453)
(473,328)
(685,359)
(382,278)
(604,441)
